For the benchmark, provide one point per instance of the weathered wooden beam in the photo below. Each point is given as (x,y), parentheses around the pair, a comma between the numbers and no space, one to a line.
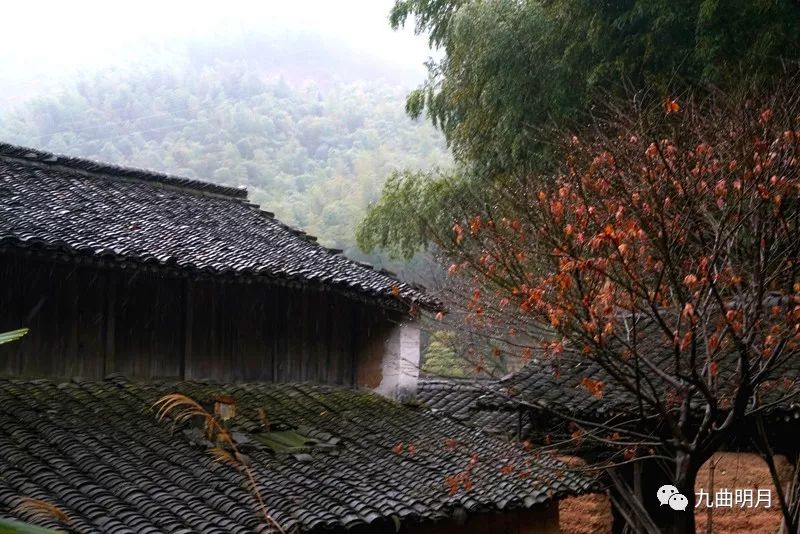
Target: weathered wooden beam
(188,303)
(109,361)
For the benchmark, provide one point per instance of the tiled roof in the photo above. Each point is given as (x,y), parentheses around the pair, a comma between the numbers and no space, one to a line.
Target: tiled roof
(556,385)
(102,211)
(96,451)
(560,390)
(461,400)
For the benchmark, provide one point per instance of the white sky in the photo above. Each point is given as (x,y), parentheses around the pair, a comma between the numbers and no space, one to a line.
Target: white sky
(44,39)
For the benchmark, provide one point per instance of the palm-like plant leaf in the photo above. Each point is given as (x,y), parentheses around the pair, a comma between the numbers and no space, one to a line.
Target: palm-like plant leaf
(40,508)
(10,526)
(224,457)
(182,408)
(13,335)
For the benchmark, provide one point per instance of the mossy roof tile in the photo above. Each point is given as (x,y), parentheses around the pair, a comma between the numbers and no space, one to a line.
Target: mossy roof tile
(111,465)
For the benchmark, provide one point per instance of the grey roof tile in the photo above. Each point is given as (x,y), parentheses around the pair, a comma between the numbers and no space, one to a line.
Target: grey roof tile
(113,468)
(94,210)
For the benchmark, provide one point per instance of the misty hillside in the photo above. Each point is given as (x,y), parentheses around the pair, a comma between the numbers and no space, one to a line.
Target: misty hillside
(245,114)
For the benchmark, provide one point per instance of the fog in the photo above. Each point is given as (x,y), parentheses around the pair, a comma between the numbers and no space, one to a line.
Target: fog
(301,101)
(44,43)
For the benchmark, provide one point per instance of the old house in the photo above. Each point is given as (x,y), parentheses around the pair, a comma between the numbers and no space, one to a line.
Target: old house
(136,284)
(548,399)
(153,276)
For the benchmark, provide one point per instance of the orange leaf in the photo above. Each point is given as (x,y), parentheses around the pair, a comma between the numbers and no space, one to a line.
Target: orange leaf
(458,232)
(475,224)
(527,354)
(452,483)
(595,387)
(671,106)
(398,449)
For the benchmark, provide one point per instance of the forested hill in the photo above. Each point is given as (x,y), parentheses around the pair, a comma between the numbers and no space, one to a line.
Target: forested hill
(314,153)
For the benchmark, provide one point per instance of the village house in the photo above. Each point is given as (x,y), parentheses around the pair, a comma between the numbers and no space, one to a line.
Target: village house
(153,276)
(135,285)
(542,402)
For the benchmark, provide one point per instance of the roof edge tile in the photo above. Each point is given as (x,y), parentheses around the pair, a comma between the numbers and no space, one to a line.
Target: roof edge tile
(88,166)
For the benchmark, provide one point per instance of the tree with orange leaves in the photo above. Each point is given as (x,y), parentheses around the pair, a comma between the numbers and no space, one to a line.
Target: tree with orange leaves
(677,224)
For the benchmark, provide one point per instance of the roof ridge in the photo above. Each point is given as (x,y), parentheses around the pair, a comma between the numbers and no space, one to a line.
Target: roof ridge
(40,157)
(78,223)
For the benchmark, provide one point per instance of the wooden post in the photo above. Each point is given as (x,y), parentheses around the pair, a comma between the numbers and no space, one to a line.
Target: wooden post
(187,327)
(109,361)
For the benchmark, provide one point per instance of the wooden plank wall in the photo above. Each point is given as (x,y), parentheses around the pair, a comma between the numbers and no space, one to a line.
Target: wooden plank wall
(91,322)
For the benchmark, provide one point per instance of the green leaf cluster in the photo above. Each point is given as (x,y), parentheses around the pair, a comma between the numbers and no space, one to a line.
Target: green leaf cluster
(440,357)
(316,154)
(513,68)
(513,72)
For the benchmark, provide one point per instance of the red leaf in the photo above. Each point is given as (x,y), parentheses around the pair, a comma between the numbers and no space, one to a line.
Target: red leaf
(671,106)
(452,483)
(595,387)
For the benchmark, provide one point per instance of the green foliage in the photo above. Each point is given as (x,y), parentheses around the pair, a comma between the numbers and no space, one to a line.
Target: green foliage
(414,208)
(512,68)
(316,155)
(9,526)
(393,223)
(13,335)
(513,72)
(441,359)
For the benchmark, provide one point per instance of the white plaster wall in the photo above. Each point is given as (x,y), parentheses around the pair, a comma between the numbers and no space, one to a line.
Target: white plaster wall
(401,363)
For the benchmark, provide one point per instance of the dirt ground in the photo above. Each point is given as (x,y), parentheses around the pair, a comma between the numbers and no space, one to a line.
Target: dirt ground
(591,514)
(588,514)
(746,471)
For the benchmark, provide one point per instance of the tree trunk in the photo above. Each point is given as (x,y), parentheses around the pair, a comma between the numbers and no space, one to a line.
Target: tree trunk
(793,499)
(685,476)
